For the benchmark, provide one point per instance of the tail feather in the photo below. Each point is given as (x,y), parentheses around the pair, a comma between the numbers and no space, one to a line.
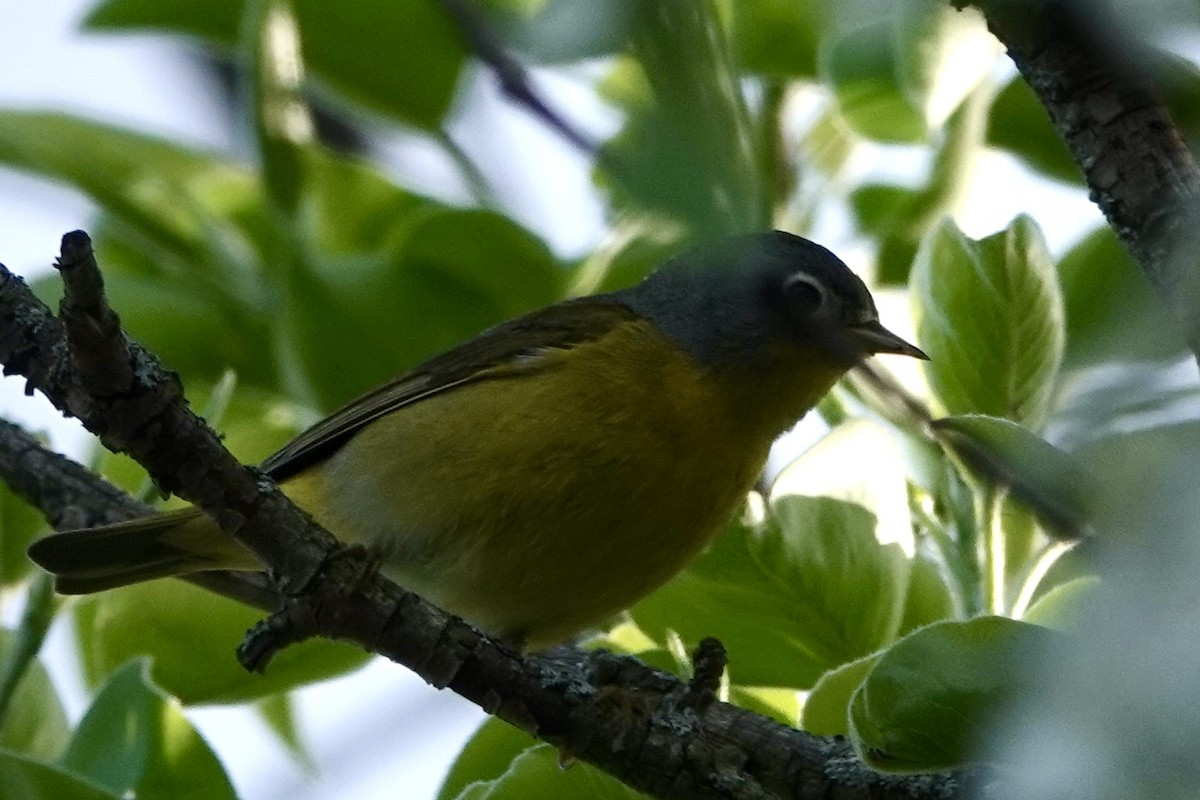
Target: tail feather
(170,544)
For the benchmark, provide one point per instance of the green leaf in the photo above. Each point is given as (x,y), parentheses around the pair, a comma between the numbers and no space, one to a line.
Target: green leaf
(1062,607)
(1111,311)
(191,635)
(34,722)
(163,316)
(928,599)
(780,703)
(278,111)
(826,709)
(354,209)
(397,57)
(279,712)
(1019,124)
(1051,482)
(944,53)
(20,523)
(565,31)
(26,779)
(776,37)
(834,467)
(899,76)
(537,773)
(809,590)
(141,179)
(860,65)
(486,756)
(217,20)
(688,152)
(989,314)
(902,217)
(134,739)
(929,698)
(354,322)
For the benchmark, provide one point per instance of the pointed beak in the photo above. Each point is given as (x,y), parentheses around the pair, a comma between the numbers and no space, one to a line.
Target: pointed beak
(877,339)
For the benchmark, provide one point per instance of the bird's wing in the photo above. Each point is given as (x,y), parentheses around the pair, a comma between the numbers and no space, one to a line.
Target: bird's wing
(516,343)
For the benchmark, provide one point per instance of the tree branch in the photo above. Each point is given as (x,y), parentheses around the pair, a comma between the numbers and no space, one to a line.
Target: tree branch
(643,726)
(1104,105)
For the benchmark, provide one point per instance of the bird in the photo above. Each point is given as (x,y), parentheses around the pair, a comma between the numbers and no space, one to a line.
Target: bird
(543,476)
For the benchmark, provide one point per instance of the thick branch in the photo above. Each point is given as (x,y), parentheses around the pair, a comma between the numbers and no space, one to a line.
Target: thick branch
(70,496)
(1105,107)
(644,726)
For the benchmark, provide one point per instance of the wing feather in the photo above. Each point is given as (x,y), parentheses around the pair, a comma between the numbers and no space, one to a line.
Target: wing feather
(517,343)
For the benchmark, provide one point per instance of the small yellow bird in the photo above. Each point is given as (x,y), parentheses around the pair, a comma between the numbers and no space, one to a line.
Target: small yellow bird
(554,469)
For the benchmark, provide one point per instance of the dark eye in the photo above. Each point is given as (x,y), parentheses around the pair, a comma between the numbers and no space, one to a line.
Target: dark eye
(805,294)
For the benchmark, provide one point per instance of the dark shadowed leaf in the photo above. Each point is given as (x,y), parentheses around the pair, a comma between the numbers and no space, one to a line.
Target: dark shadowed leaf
(191,635)
(926,702)
(1050,481)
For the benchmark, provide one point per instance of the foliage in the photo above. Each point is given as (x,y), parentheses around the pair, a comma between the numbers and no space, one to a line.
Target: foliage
(879,601)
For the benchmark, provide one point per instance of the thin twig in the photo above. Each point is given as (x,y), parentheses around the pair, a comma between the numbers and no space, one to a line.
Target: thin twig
(514,79)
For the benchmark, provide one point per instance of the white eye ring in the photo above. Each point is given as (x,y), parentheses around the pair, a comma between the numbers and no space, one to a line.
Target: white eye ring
(815,301)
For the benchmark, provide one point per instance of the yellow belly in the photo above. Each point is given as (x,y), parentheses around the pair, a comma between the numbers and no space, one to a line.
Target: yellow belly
(536,504)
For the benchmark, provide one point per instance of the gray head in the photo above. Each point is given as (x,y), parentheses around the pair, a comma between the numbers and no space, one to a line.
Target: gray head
(727,303)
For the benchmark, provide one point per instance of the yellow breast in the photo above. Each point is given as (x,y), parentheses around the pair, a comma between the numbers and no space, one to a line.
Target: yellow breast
(537,502)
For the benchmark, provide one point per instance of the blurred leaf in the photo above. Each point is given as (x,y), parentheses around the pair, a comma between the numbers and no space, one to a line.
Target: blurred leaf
(690,154)
(1021,533)
(776,37)
(860,65)
(397,57)
(1111,311)
(1050,481)
(835,467)
(1178,81)
(141,179)
(1062,607)
(354,209)
(218,20)
(828,144)
(826,709)
(902,74)
(279,712)
(134,739)
(989,314)
(944,53)
(486,756)
(807,591)
(34,722)
(281,121)
(928,599)
(882,208)
(564,31)
(1018,123)
(634,246)
(902,217)
(358,321)
(162,315)
(20,523)
(26,779)
(191,634)
(779,703)
(537,773)
(929,698)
